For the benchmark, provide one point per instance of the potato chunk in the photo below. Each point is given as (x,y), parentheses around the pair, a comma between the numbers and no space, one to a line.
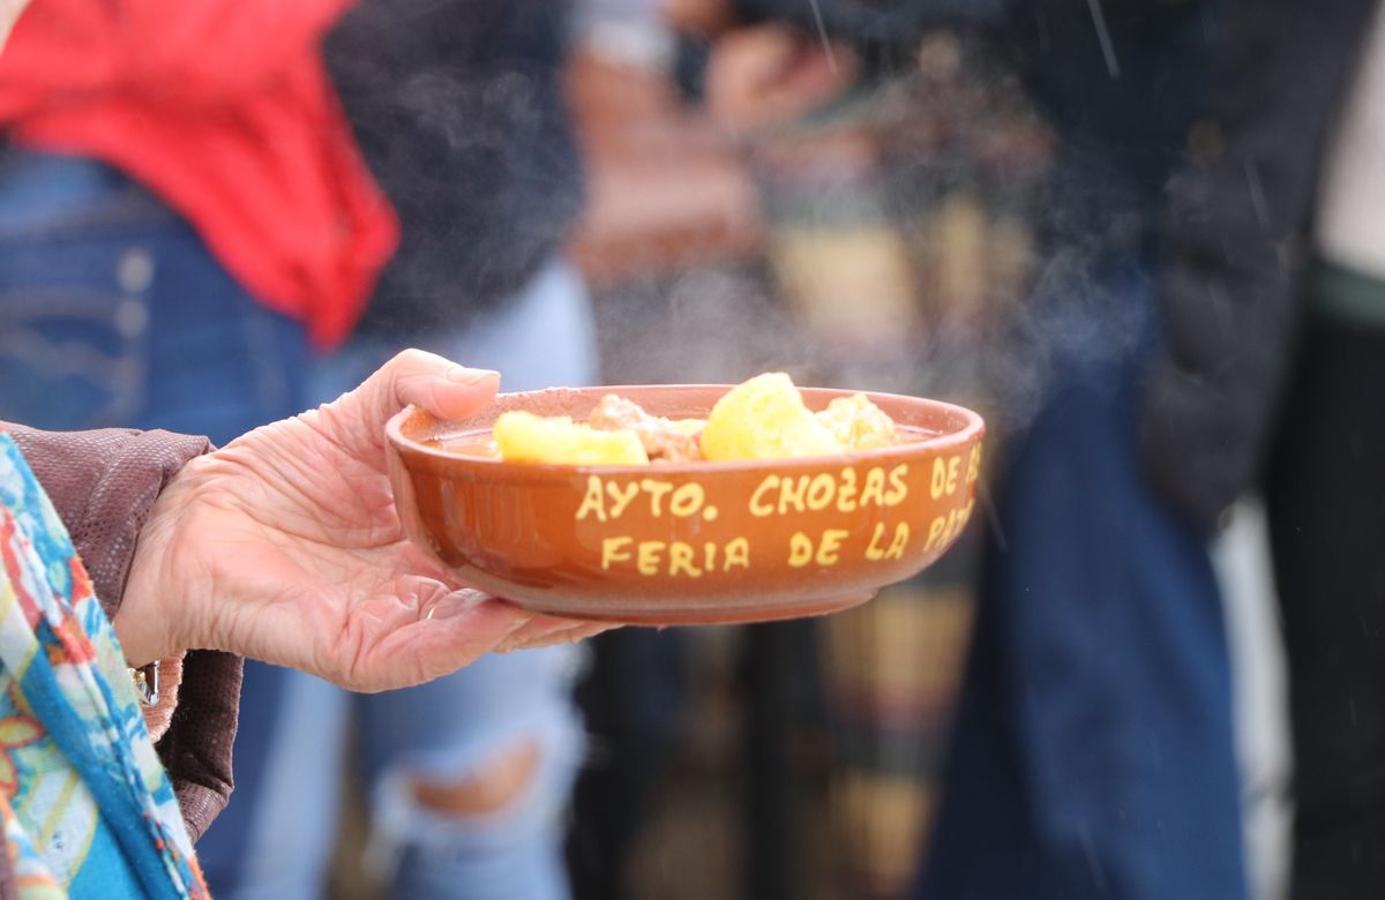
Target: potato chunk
(765,418)
(858,423)
(525,437)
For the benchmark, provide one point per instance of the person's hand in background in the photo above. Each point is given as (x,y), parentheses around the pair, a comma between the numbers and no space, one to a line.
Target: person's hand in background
(285,546)
(770,74)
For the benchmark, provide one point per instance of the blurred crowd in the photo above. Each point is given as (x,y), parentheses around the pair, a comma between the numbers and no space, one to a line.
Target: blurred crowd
(1144,239)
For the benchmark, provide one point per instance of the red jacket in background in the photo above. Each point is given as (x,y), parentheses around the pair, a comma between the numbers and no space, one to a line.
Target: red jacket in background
(224,110)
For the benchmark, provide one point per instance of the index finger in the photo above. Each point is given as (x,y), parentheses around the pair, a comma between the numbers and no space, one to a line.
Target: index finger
(431,382)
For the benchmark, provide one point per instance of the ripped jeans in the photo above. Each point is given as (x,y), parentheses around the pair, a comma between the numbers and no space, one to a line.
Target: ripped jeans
(441,731)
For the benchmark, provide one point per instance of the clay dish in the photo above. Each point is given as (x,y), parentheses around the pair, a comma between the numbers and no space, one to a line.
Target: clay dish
(689,543)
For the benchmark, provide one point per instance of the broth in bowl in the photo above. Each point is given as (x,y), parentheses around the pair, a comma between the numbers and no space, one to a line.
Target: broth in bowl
(763,418)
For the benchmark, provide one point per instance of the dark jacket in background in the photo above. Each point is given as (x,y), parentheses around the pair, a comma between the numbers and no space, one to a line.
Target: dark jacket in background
(1191,132)
(1121,93)
(459,110)
(1235,238)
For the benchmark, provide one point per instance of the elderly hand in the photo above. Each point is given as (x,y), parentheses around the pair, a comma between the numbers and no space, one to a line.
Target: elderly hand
(285,546)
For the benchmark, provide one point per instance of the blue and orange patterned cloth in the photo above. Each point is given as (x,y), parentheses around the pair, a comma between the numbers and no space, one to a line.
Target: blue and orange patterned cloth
(87,808)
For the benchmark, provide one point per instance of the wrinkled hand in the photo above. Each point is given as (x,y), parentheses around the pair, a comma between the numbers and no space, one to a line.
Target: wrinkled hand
(285,546)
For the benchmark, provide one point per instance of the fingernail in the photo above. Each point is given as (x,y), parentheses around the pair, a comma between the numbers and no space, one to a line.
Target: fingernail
(463,375)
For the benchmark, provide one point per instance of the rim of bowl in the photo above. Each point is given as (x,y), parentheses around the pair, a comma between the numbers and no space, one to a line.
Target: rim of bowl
(974,426)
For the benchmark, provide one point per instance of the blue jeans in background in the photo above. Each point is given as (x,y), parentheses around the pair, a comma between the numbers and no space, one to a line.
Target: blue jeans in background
(280,844)
(1094,753)
(114,313)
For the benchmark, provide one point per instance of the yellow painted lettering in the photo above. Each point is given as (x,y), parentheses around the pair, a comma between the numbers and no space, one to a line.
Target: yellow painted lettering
(874,491)
(800,550)
(899,488)
(874,551)
(687,500)
(656,490)
(593,501)
(680,559)
(791,493)
(954,524)
(758,506)
(647,557)
(846,492)
(821,491)
(935,532)
(737,554)
(953,470)
(621,500)
(901,540)
(615,550)
(938,483)
(830,548)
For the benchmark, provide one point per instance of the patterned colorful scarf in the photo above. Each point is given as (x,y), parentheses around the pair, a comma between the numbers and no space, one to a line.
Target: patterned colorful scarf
(87,808)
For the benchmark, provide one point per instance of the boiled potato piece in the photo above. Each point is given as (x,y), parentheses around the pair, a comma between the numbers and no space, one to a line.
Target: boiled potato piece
(525,437)
(764,418)
(858,423)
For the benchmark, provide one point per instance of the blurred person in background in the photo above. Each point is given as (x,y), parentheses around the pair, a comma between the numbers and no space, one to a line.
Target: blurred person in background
(1094,753)
(458,109)
(898,169)
(182,210)
(1270,279)
(1325,483)
(1227,241)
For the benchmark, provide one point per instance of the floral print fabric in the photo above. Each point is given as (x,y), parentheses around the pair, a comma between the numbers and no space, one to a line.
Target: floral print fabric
(86,807)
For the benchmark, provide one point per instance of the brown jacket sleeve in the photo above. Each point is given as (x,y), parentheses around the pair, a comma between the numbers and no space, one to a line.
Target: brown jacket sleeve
(103,485)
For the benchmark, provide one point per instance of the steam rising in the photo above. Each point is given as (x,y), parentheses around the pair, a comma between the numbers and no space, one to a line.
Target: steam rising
(471,144)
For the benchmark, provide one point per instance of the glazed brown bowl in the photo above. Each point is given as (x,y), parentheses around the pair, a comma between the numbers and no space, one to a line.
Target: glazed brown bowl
(687,543)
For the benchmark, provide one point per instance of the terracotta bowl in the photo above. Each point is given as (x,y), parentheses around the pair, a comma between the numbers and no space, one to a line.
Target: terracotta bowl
(690,543)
